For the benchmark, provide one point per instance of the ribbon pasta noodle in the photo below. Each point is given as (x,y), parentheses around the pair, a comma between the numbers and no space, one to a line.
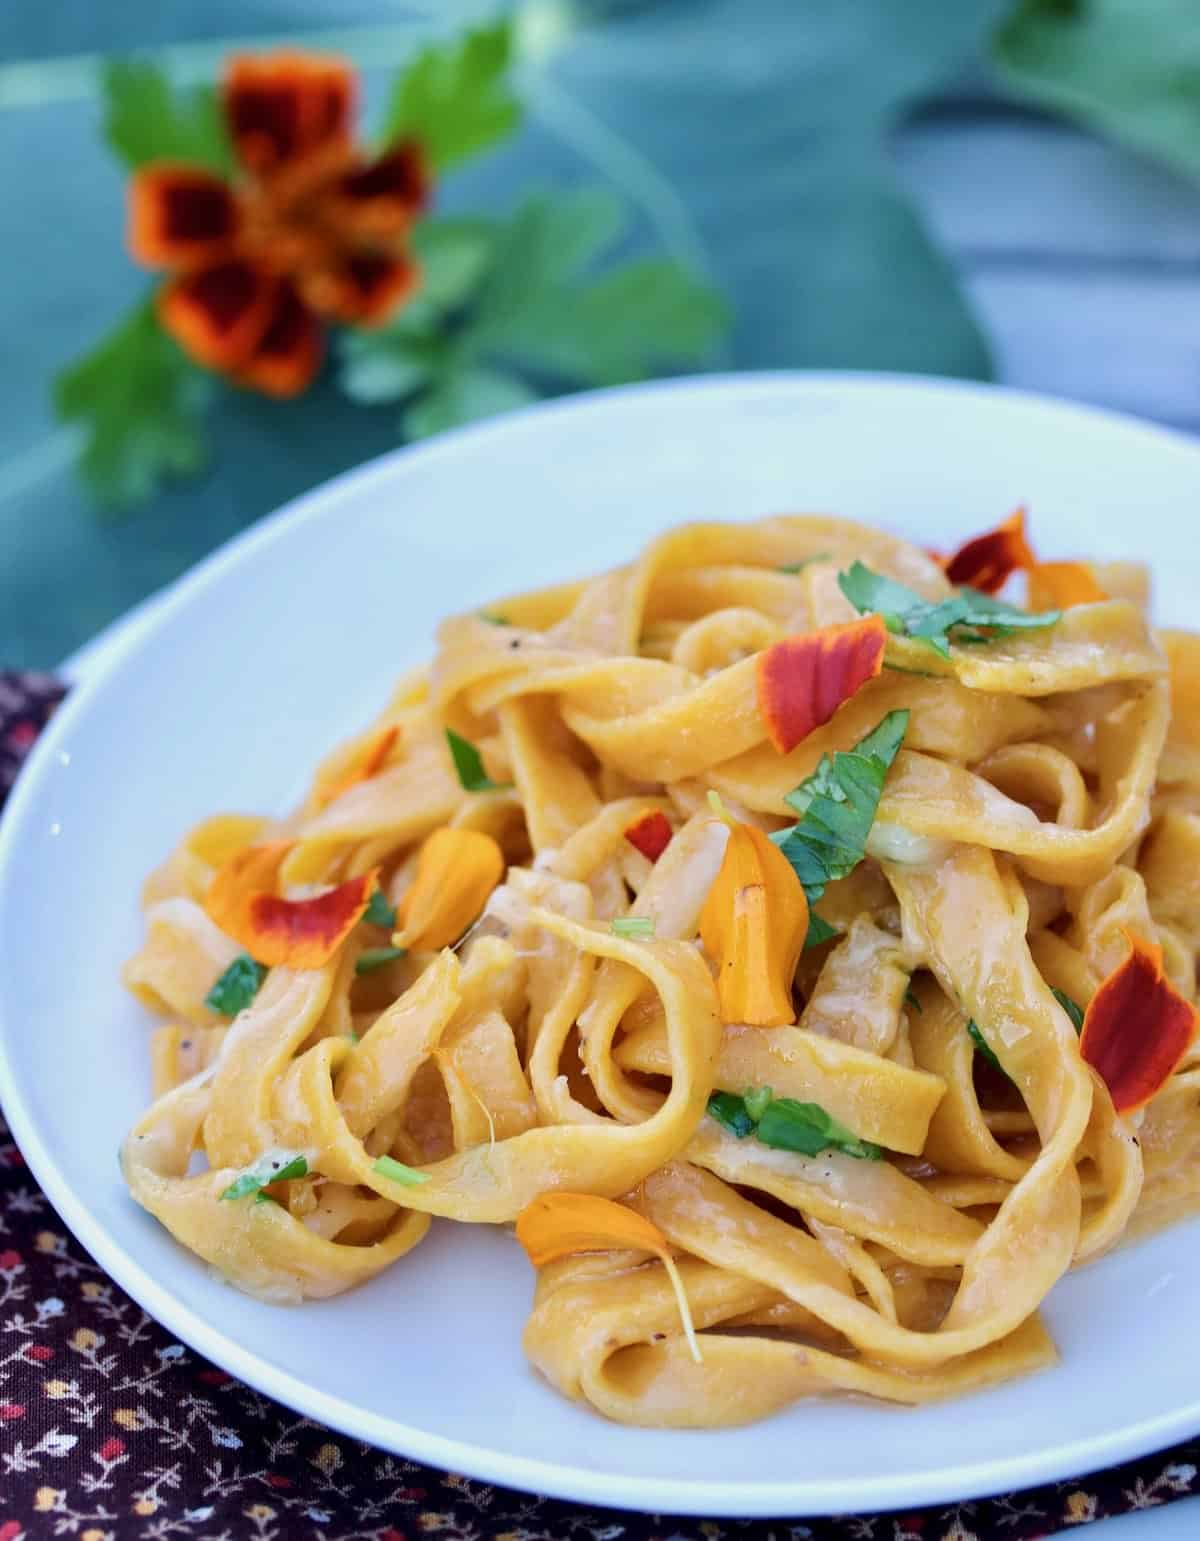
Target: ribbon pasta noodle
(794,939)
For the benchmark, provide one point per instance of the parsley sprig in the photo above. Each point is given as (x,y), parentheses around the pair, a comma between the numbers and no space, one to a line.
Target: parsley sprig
(972,617)
(837,806)
(468,766)
(785,1124)
(513,309)
(272,1166)
(236,987)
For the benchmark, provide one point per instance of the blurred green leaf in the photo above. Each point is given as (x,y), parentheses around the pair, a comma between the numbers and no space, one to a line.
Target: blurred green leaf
(455,97)
(462,395)
(454,254)
(147,119)
(141,405)
(1129,69)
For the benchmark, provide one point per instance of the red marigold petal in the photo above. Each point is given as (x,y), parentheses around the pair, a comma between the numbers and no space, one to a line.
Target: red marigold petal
(1137,1027)
(305,933)
(379,199)
(283,106)
(989,560)
(363,289)
(220,313)
(289,353)
(803,680)
(179,215)
(650,834)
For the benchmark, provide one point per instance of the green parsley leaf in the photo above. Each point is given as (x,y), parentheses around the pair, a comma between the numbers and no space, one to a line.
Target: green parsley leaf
(757,1100)
(469,765)
(146,119)
(1072,1008)
(372,958)
(236,987)
(397,1172)
(785,1124)
(798,567)
(806,1127)
(464,394)
(493,618)
(379,912)
(455,97)
(731,1113)
(912,1002)
(140,403)
(983,1047)
(271,1167)
(634,927)
(973,616)
(837,806)
(818,931)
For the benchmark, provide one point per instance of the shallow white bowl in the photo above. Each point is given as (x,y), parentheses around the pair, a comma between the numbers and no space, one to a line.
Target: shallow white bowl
(286,640)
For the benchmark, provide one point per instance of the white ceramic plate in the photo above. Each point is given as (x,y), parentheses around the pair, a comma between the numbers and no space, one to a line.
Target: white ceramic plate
(286,640)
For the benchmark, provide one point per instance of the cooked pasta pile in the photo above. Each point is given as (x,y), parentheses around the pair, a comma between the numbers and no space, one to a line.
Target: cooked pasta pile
(794,939)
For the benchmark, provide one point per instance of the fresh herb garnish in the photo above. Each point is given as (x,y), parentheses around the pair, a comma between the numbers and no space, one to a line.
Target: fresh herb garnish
(633,927)
(372,958)
(397,1172)
(236,987)
(911,1000)
(272,1166)
(798,567)
(837,806)
(731,1112)
(493,618)
(1072,1008)
(379,912)
(469,765)
(972,616)
(983,1047)
(785,1124)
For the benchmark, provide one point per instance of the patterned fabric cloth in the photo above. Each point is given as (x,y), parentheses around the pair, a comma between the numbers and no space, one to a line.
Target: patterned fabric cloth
(109,1429)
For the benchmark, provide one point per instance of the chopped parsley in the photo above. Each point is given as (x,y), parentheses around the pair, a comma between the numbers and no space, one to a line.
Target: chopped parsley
(236,987)
(837,806)
(272,1166)
(379,912)
(397,1172)
(1072,1008)
(493,618)
(638,928)
(798,567)
(983,1047)
(372,958)
(785,1124)
(973,617)
(469,765)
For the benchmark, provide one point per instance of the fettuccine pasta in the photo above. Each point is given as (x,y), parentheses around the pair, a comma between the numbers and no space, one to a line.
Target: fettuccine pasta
(793,939)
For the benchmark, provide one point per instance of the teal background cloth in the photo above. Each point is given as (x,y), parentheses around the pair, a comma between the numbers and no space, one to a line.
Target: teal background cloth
(731,101)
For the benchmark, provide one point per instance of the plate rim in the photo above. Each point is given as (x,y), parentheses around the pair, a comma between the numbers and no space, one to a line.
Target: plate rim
(790,1498)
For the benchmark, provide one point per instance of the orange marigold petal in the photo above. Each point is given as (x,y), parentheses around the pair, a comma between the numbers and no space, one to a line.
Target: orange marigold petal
(284,106)
(650,834)
(557,1225)
(803,680)
(989,560)
(1137,1027)
(1059,585)
(753,926)
(288,355)
(296,933)
(362,289)
(179,215)
(379,199)
(369,761)
(220,313)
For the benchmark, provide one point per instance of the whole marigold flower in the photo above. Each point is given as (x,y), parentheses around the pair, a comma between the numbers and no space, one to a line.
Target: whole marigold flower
(311,228)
